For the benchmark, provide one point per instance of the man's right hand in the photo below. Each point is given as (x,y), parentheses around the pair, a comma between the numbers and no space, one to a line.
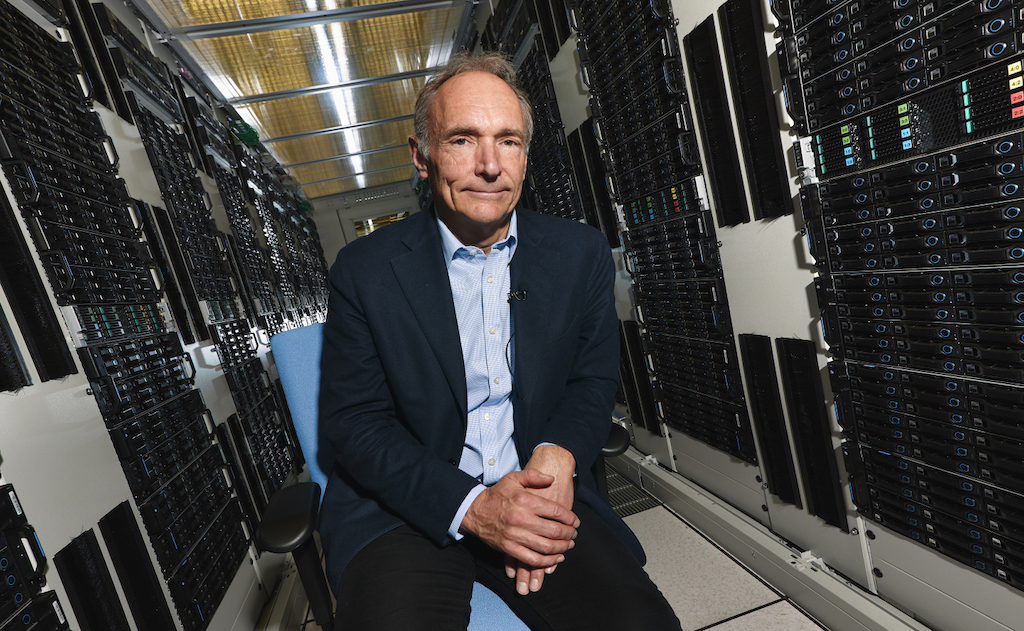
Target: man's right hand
(522,524)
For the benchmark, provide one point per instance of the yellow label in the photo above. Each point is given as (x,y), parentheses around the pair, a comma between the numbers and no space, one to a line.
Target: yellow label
(1016,82)
(1013,68)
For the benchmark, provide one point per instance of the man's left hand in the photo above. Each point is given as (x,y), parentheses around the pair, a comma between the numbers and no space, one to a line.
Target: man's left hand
(558,462)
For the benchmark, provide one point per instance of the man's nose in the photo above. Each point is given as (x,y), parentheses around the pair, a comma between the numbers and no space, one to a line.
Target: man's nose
(487,164)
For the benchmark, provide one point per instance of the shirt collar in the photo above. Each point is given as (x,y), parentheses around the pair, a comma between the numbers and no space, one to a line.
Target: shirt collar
(450,244)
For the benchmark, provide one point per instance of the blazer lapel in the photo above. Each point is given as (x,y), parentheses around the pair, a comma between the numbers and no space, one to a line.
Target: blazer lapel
(538,267)
(423,277)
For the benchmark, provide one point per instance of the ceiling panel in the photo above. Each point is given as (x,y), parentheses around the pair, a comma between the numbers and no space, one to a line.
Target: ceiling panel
(401,174)
(182,13)
(274,61)
(336,108)
(355,164)
(342,143)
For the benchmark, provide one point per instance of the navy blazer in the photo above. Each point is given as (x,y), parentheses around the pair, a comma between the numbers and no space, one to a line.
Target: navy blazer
(393,383)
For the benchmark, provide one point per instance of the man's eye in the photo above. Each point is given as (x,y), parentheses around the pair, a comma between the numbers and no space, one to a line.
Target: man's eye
(459,141)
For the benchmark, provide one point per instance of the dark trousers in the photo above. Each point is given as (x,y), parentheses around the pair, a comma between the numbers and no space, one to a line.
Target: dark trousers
(403,582)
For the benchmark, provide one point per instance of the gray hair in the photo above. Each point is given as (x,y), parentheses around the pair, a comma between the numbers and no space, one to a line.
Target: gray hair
(493,63)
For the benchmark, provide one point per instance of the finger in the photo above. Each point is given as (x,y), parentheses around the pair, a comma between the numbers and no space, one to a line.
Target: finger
(536,579)
(510,566)
(532,478)
(522,580)
(546,508)
(524,556)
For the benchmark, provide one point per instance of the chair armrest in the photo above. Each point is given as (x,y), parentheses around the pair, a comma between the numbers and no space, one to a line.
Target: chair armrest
(617,443)
(290,518)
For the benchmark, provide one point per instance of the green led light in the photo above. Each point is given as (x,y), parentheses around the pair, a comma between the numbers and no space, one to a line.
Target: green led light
(846,140)
(902,109)
(845,129)
(904,121)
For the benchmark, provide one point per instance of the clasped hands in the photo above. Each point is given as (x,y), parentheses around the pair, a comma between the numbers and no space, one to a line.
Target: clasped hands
(528,516)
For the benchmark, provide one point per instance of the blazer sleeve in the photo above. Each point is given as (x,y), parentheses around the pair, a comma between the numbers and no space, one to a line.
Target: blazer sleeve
(580,418)
(406,474)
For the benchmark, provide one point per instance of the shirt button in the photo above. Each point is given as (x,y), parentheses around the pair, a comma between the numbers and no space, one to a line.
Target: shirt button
(490,279)
(487,417)
(497,380)
(493,330)
(491,462)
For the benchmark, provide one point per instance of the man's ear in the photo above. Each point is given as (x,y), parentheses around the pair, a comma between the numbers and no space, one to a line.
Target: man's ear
(417,157)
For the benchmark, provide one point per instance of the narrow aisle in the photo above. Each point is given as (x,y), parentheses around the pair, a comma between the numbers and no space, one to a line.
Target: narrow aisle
(706,586)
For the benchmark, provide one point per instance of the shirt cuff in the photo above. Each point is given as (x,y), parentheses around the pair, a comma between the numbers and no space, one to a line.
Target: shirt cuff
(453,529)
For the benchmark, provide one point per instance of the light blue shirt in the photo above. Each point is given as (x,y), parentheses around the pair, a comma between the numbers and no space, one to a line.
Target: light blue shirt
(480,286)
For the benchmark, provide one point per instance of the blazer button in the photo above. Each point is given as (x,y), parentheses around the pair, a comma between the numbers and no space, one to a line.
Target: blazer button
(453,463)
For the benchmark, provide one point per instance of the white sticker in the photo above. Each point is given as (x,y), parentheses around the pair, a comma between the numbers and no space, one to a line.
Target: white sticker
(60,612)
(14,500)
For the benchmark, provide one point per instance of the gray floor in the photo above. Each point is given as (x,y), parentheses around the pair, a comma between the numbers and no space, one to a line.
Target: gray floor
(707,587)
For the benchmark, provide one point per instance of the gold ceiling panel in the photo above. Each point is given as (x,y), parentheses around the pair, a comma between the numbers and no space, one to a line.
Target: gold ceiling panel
(349,184)
(194,12)
(274,61)
(341,143)
(355,164)
(284,117)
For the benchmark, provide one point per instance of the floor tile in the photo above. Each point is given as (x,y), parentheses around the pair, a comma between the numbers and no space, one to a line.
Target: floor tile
(781,616)
(702,583)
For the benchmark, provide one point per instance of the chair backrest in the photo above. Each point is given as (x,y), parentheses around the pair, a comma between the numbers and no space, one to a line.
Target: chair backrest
(297,356)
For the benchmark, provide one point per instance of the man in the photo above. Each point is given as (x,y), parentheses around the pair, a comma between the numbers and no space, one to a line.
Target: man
(469,369)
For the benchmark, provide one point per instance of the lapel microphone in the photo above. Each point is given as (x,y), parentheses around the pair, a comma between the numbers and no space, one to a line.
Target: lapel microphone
(518,294)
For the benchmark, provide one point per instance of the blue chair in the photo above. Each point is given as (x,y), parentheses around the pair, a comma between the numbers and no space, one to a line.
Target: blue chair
(290,517)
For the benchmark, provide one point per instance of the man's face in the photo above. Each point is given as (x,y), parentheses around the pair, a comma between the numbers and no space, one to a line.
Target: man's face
(477,156)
